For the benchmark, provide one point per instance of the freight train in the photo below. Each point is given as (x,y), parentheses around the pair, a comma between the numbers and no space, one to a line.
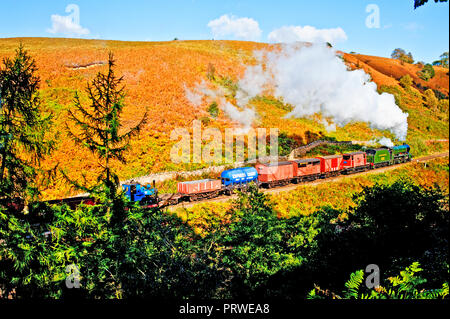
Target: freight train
(264,176)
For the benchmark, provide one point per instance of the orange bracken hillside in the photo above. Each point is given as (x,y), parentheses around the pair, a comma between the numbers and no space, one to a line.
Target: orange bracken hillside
(385,71)
(155,75)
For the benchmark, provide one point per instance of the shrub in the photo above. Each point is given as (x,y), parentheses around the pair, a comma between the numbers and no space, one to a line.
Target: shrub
(406,81)
(426,73)
(430,99)
(213,109)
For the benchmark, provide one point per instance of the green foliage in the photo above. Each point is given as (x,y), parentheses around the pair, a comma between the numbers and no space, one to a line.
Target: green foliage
(406,286)
(99,124)
(151,255)
(259,245)
(23,128)
(213,109)
(391,225)
(406,81)
(418,3)
(286,144)
(443,61)
(427,72)
(230,85)
(275,102)
(400,54)
(430,99)
(353,284)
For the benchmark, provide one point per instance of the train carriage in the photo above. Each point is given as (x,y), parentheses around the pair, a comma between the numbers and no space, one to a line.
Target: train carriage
(306,169)
(238,178)
(330,165)
(201,189)
(276,174)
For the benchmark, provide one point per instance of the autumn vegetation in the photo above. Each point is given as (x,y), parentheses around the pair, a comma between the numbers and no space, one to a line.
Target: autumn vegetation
(311,242)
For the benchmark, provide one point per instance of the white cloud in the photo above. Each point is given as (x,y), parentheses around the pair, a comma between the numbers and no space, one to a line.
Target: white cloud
(307,33)
(68,25)
(238,28)
(412,27)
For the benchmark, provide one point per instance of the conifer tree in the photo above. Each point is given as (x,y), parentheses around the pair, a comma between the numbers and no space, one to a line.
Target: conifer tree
(100,128)
(23,127)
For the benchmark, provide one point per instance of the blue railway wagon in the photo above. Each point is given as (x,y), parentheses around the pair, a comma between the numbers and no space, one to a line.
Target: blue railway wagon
(239,176)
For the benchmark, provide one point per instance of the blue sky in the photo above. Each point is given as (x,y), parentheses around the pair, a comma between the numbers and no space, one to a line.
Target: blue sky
(424,31)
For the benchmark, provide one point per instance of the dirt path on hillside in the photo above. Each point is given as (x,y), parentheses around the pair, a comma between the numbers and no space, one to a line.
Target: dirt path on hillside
(291,187)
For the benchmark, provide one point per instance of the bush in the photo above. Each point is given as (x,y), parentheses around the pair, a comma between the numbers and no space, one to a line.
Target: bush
(213,109)
(430,99)
(406,81)
(426,73)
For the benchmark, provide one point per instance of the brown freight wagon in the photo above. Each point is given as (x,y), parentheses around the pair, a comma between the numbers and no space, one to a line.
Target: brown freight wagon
(331,165)
(355,162)
(275,174)
(194,190)
(307,169)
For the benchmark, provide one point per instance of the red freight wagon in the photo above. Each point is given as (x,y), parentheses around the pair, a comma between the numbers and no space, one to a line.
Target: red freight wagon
(331,165)
(202,186)
(307,169)
(355,162)
(276,173)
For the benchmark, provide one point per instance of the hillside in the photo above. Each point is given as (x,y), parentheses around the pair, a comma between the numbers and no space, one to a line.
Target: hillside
(156,75)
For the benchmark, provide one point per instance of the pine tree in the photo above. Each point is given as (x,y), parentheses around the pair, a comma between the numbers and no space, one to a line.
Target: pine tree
(99,125)
(23,127)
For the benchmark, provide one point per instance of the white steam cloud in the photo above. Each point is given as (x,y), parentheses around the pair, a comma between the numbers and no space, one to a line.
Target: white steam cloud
(242,114)
(386,142)
(315,80)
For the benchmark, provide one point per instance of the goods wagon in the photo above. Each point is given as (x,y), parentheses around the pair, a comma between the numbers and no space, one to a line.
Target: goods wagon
(276,173)
(378,157)
(206,188)
(354,162)
(239,176)
(330,165)
(306,169)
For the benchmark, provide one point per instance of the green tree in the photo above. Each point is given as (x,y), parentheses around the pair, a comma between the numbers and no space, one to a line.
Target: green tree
(259,245)
(213,109)
(427,72)
(100,127)
(418,3)
(391,226)
(24,128)
(400,54)
(443,61)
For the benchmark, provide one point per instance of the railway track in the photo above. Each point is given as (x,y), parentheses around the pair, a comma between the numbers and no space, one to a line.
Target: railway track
(224,198)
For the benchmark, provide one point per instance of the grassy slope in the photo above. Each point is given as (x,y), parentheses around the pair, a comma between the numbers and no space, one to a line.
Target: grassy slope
(155,74)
